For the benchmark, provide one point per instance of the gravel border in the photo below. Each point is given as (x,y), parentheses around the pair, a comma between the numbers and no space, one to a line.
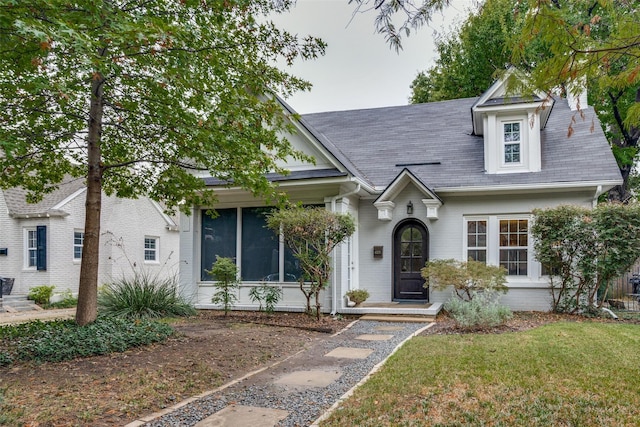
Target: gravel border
(308,404)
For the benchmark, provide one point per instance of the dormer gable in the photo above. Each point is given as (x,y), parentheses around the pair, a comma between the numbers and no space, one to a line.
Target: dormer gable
(385,202)
(510,125)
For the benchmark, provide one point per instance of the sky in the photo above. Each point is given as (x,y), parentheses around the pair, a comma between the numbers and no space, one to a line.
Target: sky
(359,69)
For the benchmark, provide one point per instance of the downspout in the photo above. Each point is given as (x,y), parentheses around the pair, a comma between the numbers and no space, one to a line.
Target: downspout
(334,288)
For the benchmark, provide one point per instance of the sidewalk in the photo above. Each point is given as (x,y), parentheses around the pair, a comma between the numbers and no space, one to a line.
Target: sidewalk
(296,391)
(27,316)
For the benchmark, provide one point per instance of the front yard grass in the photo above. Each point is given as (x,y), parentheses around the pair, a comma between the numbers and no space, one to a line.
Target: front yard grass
(561,374)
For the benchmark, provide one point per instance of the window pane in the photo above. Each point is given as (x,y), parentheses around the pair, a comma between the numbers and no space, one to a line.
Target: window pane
(406,235)
(405,265)
(417,250)
(404,249)
(482,240)
(472,241)
(218,238)
(259,247)
(416,236)
(292,271)
(416,265)
(477,255)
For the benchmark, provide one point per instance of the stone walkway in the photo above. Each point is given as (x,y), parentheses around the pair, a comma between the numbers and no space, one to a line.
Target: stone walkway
(27,316)
(298,391)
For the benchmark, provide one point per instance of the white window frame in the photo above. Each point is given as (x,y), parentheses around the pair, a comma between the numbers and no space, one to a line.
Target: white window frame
(155,250)
(518,247)
(505,143)
(76,245)
(30,249)
(468,248)
(493,243)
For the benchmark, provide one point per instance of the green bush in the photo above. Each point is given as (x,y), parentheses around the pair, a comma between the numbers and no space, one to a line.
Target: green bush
(41,294)
(482,310)
(267,295)
(358,295)
(225,272)
(60,340)
(466,277)
(143,296)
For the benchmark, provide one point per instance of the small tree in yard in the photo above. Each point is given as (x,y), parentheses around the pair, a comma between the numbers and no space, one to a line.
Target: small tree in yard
(225,272)
(466,277)
(584,250)
(312,234)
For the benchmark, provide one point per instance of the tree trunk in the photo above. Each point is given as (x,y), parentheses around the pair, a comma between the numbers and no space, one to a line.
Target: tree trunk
(87,310)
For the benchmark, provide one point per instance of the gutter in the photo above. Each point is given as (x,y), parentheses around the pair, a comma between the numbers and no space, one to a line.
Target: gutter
(334,288)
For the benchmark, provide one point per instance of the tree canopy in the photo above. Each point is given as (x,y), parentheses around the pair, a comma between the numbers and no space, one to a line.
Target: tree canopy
(563,45)
(134,96)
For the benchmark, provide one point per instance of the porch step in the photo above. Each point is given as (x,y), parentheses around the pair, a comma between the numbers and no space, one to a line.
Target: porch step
(17,302)
(398,318)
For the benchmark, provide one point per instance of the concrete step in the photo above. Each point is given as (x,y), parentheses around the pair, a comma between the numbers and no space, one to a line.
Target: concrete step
(399,318)
(17,302)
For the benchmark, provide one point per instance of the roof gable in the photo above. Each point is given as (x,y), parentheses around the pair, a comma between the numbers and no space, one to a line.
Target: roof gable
(499,97)
(385,202)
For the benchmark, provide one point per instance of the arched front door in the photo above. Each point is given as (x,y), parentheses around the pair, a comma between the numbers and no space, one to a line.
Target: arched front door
(410,252)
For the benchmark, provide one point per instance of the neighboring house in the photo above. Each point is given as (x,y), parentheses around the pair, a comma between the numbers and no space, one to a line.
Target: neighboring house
(454,179)
(41,243)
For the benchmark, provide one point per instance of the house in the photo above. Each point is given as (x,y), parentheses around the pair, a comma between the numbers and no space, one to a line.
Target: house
(41,243)
(453,179)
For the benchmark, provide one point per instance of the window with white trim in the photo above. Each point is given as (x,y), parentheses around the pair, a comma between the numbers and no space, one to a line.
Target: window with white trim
(242,235)
(150,249)
(514,246)
(512,143)
(78,243)
(498,240)
(31,247)
(35,248)
(477,240)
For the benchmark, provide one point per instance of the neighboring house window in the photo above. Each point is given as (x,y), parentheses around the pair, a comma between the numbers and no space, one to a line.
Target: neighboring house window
(477,240)
(78,242)
(151,249)
(32,248)
(35,247)
(499,241)
(514,244)
(512,143)
(242,235)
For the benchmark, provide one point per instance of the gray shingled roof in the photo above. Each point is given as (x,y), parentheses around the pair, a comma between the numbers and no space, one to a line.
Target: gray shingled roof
(15,199)
(293,176)
(381,142)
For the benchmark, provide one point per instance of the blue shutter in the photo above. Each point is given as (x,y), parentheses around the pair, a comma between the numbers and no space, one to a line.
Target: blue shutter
(41,247)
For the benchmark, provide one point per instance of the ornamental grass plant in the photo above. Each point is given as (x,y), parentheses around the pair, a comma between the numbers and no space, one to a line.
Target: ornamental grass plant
(143,296)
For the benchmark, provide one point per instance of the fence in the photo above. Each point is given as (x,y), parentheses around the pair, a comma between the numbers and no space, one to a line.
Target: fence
(624,293)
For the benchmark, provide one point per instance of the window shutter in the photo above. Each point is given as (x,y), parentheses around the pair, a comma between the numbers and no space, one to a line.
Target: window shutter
(41,247)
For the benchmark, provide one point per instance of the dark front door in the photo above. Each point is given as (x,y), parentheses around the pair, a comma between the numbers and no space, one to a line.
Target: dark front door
(410,252)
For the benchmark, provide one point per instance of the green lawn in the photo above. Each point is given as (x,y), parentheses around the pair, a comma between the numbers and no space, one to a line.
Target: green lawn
(561,374)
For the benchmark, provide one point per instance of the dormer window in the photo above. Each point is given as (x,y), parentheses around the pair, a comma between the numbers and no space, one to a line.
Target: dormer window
(512,143)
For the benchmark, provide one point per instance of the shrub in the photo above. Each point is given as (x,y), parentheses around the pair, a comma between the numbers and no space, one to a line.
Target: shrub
(481,311)
(269,295)
(584,250)
(311,234)
(466,277)
(358,295)
(60,340)
(143,296)
(225,272)
(41,294)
